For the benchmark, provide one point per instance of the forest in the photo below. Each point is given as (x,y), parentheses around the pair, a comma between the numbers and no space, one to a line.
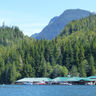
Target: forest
(72,52)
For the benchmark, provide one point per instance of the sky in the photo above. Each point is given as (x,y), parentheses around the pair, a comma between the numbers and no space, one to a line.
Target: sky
(31,16)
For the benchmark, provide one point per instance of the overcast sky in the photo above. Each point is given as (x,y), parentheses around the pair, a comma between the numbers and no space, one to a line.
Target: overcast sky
(31,16)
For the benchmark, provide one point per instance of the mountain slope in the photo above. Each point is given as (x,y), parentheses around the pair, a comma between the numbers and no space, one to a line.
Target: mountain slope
(73,51)
(58,23)
(10,35)
(85,25)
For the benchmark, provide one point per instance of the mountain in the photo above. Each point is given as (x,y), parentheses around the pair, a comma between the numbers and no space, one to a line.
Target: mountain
(53,19)
(83,26)
(57,23)
(35,35)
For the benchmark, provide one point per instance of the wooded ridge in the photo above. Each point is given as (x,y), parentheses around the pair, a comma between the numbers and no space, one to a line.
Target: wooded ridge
(73,51)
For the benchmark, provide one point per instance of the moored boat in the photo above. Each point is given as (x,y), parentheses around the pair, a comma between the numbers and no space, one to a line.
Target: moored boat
(42,83)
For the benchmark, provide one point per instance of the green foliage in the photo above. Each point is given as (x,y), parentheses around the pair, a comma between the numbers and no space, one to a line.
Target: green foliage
(73,51)
(82,68)
(59,71)
(92,69)
(10,35)
(13,74)
(74,71)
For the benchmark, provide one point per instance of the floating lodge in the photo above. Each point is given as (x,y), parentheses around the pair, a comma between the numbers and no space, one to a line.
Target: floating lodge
(59,81)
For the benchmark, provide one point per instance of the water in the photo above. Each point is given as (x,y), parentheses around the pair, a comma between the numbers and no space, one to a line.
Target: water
(45,90)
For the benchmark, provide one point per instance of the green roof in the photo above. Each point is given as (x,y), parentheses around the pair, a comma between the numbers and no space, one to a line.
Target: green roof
(66,79)
(86,79)
(71,79)
(60,79)
(74,79)
(92,77)
(34,80)
(80,79)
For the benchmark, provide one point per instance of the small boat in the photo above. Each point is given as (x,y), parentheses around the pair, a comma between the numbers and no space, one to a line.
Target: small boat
(28,83)
(42,83)
(65,83)
(89,83)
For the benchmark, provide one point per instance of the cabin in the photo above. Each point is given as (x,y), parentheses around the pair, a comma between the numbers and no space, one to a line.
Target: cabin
(39,81)
(60,80)
(81,81)
(73,81)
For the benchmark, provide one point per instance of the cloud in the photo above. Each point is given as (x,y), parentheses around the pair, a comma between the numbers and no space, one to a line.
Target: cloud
(29,29)
(33,25)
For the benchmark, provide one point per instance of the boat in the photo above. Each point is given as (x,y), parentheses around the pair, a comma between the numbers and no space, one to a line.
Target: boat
(42,83)
(28,83)
(65,83)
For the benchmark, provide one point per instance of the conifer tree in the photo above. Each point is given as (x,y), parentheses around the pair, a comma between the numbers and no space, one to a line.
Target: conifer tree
(91,65)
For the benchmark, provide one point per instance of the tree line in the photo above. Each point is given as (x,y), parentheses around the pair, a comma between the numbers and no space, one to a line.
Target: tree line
(72,52)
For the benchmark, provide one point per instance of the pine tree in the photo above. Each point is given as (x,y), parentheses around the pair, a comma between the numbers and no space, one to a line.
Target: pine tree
(82,68)
(74,71)
(91,65)
(13,73)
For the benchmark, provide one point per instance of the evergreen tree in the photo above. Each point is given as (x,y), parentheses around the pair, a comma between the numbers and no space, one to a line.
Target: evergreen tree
(13,73)
(91,65)
(74,71)
(82,69)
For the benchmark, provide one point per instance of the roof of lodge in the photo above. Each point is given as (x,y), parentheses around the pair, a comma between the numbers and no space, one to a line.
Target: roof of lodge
(34,80)
(62,79)
(87,79)
(58,79)
(92,77)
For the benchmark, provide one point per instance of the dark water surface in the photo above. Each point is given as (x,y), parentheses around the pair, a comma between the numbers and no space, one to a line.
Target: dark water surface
(45,90)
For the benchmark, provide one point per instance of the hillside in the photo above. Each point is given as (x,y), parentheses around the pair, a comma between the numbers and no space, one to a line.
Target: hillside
(10,35)
(83,25)
(73,51)
(56,24)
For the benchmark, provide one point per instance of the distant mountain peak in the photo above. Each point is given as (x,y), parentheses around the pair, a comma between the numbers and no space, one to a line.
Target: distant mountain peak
(35,35)
(57,23)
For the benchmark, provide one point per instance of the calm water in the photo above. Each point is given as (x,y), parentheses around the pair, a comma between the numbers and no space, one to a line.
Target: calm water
(44,90)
